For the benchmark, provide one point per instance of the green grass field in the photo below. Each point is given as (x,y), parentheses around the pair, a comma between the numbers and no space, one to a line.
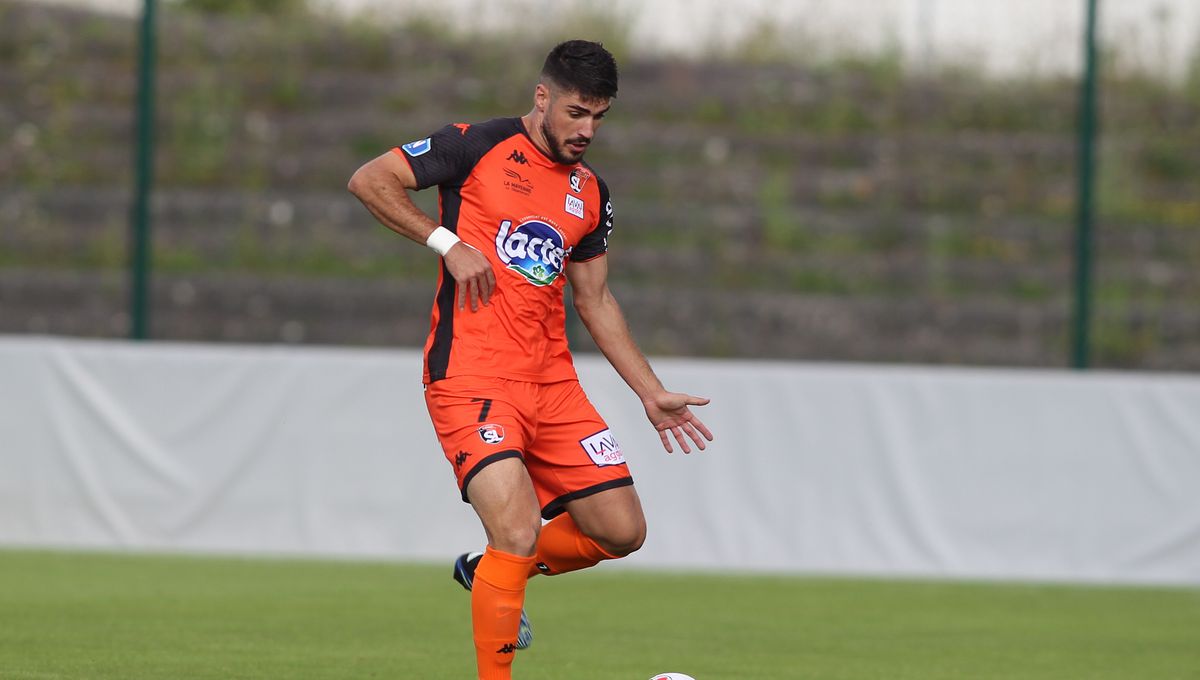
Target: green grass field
(127,617)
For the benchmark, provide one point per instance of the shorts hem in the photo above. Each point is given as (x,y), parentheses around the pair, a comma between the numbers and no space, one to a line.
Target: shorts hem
(555,507)
(494,458)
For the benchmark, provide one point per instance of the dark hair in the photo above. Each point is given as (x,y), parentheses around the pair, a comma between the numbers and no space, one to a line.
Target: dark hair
(582,67)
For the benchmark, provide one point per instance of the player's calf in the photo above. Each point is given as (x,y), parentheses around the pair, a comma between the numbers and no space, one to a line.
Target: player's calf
(464,573)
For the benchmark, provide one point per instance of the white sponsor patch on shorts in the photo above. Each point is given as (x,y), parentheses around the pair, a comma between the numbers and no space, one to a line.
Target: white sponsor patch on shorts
(603,448)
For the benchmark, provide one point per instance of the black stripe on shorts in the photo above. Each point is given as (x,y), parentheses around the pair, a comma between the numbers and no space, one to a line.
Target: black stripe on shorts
(555,507)
(495,457)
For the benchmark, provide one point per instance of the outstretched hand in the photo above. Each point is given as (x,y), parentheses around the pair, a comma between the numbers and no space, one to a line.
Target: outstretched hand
(669,412)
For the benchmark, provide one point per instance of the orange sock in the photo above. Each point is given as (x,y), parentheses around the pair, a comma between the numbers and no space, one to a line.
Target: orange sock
(562,547)
(497,595)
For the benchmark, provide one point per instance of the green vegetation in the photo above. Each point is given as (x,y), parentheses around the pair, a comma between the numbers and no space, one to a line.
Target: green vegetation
(854,174)
(69,616)
(273,8)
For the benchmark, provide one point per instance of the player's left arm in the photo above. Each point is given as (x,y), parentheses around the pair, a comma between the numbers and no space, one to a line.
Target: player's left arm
(600,313)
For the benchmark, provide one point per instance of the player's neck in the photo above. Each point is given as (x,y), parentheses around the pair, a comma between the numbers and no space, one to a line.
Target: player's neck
(533,129)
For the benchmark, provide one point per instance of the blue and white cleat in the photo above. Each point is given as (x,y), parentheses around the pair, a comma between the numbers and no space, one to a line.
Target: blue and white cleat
(464,573)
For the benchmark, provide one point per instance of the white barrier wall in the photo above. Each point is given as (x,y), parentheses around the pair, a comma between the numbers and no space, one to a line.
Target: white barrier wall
(816,468)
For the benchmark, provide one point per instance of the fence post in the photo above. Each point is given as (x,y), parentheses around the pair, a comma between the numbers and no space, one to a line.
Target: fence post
(1081,348)
(139,251)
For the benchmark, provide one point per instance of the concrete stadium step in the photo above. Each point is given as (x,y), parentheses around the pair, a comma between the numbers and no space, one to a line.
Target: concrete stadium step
(217,307)
(214,218)
(667,321)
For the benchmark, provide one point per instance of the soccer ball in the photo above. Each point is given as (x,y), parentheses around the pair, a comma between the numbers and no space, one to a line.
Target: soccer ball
(672,676)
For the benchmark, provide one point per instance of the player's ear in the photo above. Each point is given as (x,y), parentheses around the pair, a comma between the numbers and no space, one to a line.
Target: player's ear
(541,98)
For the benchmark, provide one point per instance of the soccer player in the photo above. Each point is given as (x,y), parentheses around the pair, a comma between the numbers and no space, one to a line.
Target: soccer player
(519,212)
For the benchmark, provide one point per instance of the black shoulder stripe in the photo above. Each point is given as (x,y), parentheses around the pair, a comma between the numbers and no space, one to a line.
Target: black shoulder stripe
(480,138)
(449,155)
(595,242)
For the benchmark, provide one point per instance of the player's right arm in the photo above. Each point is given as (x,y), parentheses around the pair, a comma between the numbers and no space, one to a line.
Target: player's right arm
(602,316)
(382,184)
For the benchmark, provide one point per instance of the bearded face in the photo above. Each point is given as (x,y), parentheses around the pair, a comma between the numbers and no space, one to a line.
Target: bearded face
(570,123)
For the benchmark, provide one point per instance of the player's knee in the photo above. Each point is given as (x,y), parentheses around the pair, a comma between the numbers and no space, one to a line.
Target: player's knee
(517,538)
(624,539)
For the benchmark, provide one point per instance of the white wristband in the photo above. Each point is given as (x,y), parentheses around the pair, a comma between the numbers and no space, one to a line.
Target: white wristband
(442,240)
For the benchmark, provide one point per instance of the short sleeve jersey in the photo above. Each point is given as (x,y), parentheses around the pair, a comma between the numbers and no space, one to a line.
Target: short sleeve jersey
(530,216)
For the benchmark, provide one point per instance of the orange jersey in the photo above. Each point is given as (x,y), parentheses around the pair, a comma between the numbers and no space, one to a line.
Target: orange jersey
(530,216)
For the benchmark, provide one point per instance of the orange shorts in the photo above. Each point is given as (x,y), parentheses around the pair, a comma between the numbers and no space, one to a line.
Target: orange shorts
(552,427)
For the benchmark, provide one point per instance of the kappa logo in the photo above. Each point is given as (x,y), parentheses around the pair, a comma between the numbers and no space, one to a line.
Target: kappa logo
(517,157)
(574,206)
(491,433)
(462,128)
(603,449)
(517,183)
(508,648)
(461,458)
(579,177)
(419,147)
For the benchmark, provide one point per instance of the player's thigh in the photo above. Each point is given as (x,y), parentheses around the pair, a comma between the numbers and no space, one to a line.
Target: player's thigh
(613,518)
(479,422)
(502,495)
(574,454)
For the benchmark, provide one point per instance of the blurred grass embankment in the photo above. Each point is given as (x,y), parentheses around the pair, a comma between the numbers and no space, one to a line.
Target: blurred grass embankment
(772,200)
